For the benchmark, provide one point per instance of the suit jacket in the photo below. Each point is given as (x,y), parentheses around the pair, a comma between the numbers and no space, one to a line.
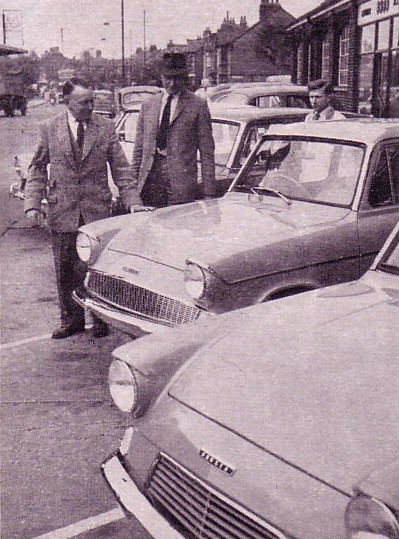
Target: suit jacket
(190,130)
(329,113)
(77,186)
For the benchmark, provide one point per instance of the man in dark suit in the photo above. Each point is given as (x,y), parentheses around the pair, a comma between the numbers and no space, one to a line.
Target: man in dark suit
(77,145)
(172,127)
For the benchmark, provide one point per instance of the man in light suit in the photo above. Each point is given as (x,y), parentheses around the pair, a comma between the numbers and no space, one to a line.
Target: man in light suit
(171,128)
(77,145)
(321,96)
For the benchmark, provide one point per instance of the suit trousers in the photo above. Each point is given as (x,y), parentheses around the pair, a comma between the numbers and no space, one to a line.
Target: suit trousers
(70,273)
(156,190)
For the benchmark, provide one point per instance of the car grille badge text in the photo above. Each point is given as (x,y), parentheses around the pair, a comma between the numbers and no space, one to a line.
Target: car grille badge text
(223,466)
(130,270)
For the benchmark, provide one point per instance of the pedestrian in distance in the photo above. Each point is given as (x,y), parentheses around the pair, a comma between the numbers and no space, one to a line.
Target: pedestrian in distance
(321,95)
(172,126)
(77,145)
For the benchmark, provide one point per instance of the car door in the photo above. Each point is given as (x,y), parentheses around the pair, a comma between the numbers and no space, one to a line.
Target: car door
(379,209)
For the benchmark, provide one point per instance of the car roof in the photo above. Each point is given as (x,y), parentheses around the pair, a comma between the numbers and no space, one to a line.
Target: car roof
(245,113)
(140,89)
(363,130)
(268,89)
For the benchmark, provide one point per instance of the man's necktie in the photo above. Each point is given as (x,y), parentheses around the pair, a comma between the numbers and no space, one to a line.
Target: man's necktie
(163,128)
(80,135)
(316,115)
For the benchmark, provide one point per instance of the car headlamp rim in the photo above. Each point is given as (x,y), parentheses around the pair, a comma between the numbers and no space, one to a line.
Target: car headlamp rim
(88,247)
(195,280)
(123,386)
(366,516)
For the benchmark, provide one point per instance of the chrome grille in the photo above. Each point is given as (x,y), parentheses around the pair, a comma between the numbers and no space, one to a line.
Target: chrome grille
(201,512)
(140,301)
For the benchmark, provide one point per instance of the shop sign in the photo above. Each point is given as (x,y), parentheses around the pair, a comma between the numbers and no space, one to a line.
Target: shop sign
(375,10)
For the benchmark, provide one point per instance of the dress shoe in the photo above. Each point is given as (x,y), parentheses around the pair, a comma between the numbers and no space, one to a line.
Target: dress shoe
(100,329)
(66,331)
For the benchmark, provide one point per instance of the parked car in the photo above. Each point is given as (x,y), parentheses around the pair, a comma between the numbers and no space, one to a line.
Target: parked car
(257,423)
(104,103)
(311,207)
(267,95)
(131,96)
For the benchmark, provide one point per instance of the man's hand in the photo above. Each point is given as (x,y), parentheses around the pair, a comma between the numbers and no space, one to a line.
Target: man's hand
(33,217)
(140,207)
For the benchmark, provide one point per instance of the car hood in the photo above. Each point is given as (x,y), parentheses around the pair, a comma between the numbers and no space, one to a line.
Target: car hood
(297,381)
(215,231)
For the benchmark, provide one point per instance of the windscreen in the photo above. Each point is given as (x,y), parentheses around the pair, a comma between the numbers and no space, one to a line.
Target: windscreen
(312,170)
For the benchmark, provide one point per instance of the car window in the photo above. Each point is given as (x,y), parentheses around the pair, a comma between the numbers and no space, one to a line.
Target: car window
(224,135)
(297,101)
(384,188)
(128,127)
(307,169)
(236,98)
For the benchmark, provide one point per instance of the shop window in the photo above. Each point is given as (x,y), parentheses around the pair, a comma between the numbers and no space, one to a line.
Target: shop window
(343,64)
(395,37)
(383,35)
(368,39)
(365,83)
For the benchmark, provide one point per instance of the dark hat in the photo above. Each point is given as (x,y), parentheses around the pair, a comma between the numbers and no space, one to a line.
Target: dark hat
(173,63)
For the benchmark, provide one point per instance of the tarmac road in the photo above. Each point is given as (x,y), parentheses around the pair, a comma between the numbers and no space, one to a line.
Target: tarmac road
(57,419)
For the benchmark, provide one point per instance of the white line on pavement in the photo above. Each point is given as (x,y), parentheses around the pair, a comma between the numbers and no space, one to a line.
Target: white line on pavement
(32,339)
(84,525)
(24,341)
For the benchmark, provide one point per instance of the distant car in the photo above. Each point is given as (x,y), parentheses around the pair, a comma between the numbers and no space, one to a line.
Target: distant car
(266,95)
(310,207)
(104,103)
(131,96)
(257,423)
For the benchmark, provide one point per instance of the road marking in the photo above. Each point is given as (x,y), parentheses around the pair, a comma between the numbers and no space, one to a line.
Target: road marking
(84,525)
(31,339)
(25,341)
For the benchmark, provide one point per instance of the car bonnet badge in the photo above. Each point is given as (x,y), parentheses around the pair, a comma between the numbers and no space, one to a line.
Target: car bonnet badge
(226,468)
(130,270)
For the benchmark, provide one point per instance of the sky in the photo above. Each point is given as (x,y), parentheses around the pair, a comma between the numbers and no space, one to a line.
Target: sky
(77,25)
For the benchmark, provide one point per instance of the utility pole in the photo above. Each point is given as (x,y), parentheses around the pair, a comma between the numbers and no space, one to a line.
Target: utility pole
(123,41)
(144,40)
(4,29)
(62,40)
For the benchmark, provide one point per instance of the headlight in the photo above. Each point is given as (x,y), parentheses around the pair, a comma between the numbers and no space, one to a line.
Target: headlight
(122,386)
(88,248)
(368,518)
(194,280)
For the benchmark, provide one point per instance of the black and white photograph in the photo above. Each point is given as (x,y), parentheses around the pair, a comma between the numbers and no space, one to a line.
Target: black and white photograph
(199,269)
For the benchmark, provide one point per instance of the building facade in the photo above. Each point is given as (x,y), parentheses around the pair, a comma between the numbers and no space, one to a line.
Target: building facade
(355,45)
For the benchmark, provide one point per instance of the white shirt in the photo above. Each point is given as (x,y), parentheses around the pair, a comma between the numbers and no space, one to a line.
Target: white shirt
(73,124)
(173,105)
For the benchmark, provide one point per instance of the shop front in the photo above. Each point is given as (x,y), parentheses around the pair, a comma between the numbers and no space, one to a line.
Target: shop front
(379,57)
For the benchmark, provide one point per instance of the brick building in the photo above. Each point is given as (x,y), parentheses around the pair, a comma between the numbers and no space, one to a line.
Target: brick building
(355,45)
(263,49)
(236,52)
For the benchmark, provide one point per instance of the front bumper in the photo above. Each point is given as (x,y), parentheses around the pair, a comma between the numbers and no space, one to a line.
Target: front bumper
(113,316)
(134,502)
